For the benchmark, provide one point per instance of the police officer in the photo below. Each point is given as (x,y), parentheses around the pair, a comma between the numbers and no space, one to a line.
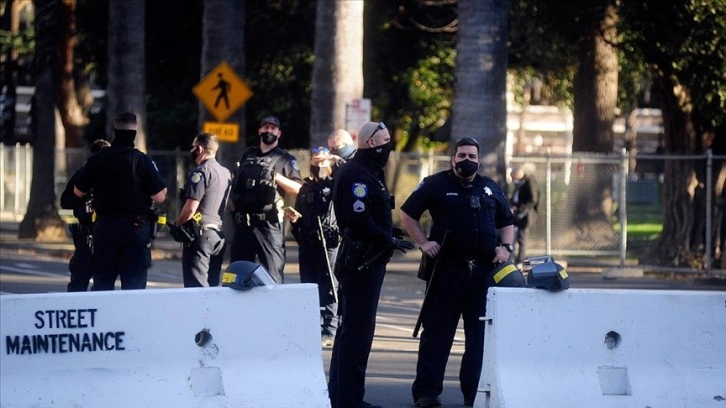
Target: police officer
(124,182)
(264,175)
(362,206)
(206,192)
(316,232)
(475,212)
(342,147)
(80,263)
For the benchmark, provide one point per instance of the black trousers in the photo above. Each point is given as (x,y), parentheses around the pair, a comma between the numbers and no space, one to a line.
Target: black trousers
(455,292)
(80,263)
(315,268)
(121,248)
(260,239)
(202,260)
(358,297)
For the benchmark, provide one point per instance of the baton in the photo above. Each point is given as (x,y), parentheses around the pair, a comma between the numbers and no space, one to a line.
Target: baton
(372,259)
(429,286)
(327,259)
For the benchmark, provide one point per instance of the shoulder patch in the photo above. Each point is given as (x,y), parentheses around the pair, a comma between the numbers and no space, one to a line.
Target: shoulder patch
(294,165)
(360,190)
(196,177)
(359,206)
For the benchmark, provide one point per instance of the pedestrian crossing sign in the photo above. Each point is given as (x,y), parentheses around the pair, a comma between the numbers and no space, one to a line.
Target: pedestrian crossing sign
(222,91)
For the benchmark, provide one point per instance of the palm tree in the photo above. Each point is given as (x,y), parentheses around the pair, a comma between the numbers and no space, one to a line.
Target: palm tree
(41,220)
(223,39)
(338,70)
(480,108)
(126,64)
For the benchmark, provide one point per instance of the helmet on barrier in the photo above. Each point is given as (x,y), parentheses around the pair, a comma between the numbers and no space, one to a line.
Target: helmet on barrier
(507,275)
(545,273)
(243,275)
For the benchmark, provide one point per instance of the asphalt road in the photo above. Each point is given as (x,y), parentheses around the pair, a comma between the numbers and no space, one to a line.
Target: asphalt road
(27,267)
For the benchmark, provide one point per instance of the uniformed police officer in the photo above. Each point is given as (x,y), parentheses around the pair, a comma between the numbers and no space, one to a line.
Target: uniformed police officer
(317,235)
(264,175)
(124,182)
(476,213)
(342,147)
(362,206)
(206,192)
(81,232)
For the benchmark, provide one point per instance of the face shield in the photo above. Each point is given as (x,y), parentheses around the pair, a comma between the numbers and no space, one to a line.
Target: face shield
(544,273)
(244,275)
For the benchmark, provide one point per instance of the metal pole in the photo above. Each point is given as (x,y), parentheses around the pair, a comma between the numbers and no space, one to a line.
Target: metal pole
(623,199)
(16,198)
(548,203)
(709,220)
(2,177)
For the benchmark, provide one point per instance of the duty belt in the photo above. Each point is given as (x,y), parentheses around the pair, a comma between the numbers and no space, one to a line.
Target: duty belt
(247,218)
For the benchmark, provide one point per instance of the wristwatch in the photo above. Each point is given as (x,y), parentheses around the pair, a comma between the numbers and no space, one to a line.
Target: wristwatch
(508,247)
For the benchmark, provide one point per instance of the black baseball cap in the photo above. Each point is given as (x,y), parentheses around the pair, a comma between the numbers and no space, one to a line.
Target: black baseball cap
(270,119)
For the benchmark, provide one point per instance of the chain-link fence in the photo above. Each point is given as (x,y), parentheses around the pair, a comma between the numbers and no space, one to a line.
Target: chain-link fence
(587,202)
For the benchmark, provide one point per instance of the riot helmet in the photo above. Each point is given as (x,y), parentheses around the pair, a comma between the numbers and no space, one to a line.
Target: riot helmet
(244,275)
(506,275)
(545,273)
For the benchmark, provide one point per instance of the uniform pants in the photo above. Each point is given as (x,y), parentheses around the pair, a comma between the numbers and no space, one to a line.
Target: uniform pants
(359,293)
(454,292)
(260,239)
(202,260)
(313,269)
(521,236)
(121,248)
(80,263)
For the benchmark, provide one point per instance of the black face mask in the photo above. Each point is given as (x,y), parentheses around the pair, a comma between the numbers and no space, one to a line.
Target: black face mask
(194,154)
(268,138)
(466,168)
(377,156)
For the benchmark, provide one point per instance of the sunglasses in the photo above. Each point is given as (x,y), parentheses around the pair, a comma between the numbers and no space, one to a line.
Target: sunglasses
(379,127)
(320,149)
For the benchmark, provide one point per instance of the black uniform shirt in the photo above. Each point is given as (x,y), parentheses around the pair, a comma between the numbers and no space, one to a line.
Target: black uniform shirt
(283,163)
(474,213)
(315,201)
(362,203)
(209,183)
(122,179)
(70,201)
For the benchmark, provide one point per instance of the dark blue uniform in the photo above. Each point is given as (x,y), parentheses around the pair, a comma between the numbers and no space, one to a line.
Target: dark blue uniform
(123,180)
(258,227)
(209,183)
(315,203)
(81,232)
(363,207)
(473,213)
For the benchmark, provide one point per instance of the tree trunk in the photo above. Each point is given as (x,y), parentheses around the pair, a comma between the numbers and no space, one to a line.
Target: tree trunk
(41,220)
(595,93)
(681,182)
(338,69)
(126,90)
(480,106)
(72,114)
(223,39)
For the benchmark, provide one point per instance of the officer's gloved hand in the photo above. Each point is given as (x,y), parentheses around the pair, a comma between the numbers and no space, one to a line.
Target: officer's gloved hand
(398,233)
(175,232)
(402,245)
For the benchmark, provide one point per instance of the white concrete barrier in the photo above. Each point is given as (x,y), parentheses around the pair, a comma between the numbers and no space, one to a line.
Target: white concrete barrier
(139,348)
(604,348)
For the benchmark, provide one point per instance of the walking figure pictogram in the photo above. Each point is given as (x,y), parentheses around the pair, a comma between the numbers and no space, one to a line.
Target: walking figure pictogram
(223,87)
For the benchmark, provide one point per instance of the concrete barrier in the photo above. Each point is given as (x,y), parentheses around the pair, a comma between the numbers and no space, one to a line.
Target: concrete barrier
(604,348)
(207,347)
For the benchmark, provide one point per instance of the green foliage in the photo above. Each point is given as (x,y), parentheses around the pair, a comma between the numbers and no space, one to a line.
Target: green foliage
(23,42)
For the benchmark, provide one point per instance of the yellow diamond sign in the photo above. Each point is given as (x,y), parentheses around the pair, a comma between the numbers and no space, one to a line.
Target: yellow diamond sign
(222,92)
